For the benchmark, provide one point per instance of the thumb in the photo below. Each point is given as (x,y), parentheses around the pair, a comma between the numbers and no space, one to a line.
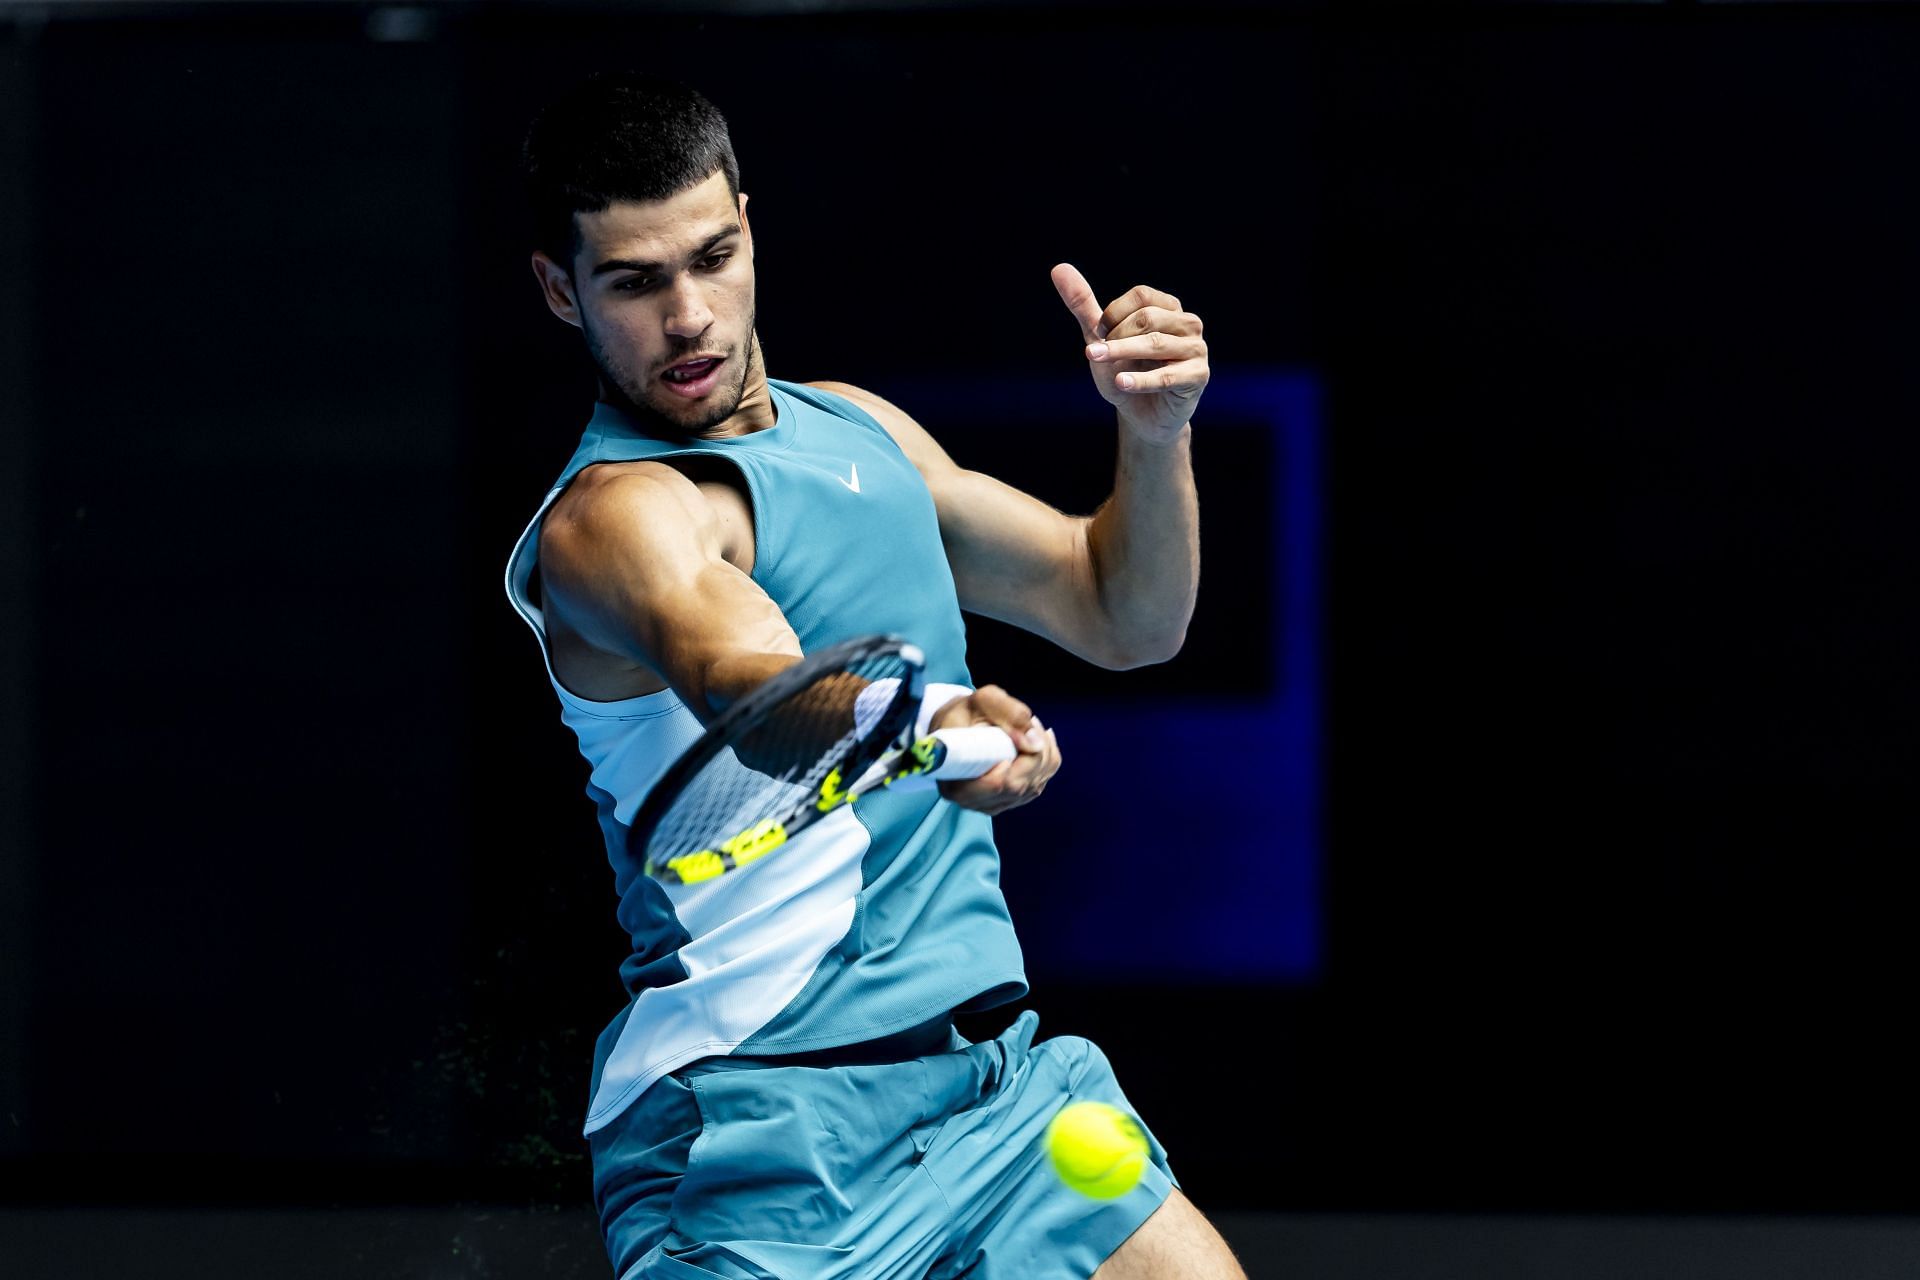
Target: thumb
(1078,295)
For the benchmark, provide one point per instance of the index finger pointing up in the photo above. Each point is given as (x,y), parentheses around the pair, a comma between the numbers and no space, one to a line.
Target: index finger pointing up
(1078,295)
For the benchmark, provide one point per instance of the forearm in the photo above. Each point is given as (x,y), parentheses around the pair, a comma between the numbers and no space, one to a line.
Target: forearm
(722,640)
(735,675)
(1143,552)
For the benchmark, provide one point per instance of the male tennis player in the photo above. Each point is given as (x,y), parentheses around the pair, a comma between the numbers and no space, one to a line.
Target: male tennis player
(785,1094)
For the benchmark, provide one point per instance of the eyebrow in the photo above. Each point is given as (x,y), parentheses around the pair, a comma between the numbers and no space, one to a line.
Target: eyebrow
(634,264)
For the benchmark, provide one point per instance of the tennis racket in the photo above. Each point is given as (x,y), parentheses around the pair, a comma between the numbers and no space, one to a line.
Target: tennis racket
(804,744)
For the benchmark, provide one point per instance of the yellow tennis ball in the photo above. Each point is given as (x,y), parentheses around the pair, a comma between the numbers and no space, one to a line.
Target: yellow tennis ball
(1098,1150)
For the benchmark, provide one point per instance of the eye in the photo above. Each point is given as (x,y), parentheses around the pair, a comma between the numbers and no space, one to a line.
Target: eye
(715,261)
(634,284)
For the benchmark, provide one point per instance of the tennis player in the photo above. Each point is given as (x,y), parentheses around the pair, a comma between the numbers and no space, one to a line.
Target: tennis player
(786,1094)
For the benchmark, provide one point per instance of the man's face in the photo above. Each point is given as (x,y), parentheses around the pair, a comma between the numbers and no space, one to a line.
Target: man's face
(663,292)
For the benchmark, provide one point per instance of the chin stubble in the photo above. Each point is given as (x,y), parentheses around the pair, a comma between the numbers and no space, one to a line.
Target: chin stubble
(638,407)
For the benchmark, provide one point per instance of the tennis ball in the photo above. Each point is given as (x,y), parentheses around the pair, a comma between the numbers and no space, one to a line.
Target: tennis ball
(1098,1150)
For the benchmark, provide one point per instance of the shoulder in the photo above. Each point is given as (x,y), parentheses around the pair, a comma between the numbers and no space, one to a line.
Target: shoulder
(881,410)
(620,503)
(625,490)
(921,449)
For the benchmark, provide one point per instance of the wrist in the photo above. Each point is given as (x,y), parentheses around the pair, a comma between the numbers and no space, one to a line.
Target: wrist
(874,700)
(935,700)
(1154,439)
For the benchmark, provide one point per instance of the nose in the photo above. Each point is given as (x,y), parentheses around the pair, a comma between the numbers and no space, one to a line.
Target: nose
(688,315)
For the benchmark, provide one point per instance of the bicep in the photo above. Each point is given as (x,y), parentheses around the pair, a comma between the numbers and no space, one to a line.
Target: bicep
(1013,557)
(635,565)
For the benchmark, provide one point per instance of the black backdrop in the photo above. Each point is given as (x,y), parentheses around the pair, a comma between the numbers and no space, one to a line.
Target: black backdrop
(1613,310)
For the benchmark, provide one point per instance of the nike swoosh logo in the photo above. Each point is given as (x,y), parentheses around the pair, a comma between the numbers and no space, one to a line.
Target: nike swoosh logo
(853,484)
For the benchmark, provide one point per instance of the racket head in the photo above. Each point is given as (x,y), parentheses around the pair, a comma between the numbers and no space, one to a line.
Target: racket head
(756,775)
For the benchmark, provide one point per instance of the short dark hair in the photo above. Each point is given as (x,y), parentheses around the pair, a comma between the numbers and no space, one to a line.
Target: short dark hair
(619,136)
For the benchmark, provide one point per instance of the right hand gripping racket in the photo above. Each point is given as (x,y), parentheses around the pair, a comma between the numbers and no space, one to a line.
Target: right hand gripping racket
(800,746)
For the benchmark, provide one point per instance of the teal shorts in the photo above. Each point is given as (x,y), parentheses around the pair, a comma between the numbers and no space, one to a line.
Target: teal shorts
(896,1159)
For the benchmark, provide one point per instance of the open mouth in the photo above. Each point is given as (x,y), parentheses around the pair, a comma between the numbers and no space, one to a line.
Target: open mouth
(693,377)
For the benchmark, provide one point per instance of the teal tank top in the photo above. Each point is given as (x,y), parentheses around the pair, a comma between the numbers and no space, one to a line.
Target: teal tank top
(893,916)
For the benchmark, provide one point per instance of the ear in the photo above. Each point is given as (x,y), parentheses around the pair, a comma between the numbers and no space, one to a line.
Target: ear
(746,231)
(556,286)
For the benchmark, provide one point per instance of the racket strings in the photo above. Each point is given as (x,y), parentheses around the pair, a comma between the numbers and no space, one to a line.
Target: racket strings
(792,757)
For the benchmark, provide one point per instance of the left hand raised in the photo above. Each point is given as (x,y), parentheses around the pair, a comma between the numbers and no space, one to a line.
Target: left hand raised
(1149,360)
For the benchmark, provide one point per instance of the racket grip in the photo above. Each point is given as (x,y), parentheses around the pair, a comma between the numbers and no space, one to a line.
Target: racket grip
(970,752)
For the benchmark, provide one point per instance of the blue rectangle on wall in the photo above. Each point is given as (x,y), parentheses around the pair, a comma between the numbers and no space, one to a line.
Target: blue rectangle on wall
(1181,840)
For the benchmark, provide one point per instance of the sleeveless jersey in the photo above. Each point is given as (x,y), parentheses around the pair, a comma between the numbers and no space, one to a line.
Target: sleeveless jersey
(876,920)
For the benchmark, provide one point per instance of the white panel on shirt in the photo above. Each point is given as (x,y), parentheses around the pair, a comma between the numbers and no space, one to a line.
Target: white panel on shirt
(758,933)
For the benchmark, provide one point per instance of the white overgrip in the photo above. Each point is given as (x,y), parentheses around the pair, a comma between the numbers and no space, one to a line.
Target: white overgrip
(932,702)
(971,751)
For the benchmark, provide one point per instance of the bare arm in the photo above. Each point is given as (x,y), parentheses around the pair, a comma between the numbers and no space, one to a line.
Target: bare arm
(634,558)
(1117,587)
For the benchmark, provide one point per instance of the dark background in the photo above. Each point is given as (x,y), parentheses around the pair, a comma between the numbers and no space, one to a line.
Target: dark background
(1613,311)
